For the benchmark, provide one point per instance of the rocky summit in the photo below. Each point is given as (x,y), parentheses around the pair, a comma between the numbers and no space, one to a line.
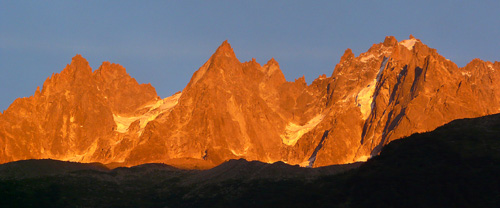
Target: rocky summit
(232,109)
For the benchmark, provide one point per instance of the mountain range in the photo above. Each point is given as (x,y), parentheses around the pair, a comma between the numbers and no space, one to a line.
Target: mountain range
(232,110)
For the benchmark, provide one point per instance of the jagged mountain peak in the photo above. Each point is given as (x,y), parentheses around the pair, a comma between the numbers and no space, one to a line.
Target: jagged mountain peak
(76,75)
(225,49)
(409,43)
(221,64)
(111,68)
(272,61)
(479,68)
(78,58)
(79,62)
(390,41)
(348,54)
(79,67)
(272,66)
(252,64)
(476,62)
(344,60)
(301,80)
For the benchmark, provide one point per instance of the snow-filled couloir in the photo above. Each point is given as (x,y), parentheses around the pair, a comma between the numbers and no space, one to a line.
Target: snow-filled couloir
(154,110)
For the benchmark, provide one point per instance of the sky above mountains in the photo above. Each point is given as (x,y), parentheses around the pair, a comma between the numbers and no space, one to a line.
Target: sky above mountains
(164,43)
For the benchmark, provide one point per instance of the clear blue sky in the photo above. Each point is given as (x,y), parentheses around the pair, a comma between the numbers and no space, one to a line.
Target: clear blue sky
(163,43)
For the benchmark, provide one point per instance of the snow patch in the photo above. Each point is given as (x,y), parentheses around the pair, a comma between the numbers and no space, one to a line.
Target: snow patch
(73,158)
(364,59)
(466,74)
(294,132)
(236,154)
(345,100)
(305,164)
(122,123)
(382,67)
(199,74)
(362,158)
(161,106)
(364,99)
(408,43)
(239,154)
(490,66)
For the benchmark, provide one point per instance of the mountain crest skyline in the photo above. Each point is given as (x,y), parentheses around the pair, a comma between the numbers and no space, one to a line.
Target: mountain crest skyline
(231,109)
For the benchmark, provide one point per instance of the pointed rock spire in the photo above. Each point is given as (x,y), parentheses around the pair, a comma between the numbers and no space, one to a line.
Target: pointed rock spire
(77,73)
(81,63)
(79,67)
(272,69)
(390,41)
(37,92)
(224,50)
(301,80)
(110,71)
(223,60)
(348,54)
(272,61)
(271,65)
(474,64)
(224,57)
(79,58)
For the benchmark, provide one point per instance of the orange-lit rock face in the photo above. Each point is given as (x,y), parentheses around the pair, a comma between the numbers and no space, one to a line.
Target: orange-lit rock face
(72,117)
(231,110)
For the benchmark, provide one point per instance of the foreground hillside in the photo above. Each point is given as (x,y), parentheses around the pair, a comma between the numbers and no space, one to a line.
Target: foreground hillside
(457,165)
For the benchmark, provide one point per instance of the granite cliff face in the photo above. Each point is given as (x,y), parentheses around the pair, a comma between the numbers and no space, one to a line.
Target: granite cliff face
(73,116)
(232,110)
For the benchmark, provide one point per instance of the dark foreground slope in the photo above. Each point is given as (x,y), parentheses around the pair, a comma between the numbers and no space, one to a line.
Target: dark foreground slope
(457,165)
